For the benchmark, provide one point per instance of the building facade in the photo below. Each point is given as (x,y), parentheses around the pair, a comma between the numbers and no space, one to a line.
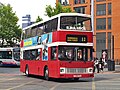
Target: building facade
(106,24)
(26,21)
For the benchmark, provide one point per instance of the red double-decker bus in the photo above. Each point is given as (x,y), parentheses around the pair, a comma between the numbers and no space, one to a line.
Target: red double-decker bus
(60,47)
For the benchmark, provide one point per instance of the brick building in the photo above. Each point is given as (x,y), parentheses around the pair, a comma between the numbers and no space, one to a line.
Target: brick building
(106,24)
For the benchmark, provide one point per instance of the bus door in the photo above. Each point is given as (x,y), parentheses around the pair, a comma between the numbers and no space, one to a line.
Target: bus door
(36,56)
(53,63)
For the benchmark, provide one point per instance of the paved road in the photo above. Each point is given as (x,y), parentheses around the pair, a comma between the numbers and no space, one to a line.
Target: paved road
(12,79)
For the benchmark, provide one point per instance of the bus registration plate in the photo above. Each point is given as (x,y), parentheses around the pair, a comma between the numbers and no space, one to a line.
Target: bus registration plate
(77,75)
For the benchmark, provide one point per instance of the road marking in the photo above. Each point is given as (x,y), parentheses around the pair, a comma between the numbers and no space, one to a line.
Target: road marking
(4,80)
(19,85)
(93,83)
(7,74)
(53,88)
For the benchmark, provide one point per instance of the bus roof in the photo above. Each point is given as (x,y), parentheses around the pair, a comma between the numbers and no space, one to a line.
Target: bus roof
(6,49)
(59,15)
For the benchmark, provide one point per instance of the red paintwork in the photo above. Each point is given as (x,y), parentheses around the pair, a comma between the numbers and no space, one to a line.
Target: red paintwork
(21,43)
(36,67)
(60,36)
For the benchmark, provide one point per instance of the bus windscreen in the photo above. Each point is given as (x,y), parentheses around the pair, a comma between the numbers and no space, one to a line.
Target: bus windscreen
(5,54)
(75,23)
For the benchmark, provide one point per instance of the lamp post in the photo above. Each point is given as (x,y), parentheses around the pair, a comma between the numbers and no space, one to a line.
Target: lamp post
(92,23)
(92,15)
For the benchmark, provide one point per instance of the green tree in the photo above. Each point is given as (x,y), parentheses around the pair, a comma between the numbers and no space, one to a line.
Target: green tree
(9,30)
(39,19)
(51,11)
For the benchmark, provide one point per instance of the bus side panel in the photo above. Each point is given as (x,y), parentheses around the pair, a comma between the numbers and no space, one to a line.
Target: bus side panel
(22,65)
(54,69)
(41,66)
(31,66)
(52,65)
(61,35)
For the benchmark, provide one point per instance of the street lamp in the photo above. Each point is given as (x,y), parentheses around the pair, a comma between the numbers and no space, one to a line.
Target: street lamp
(92,15)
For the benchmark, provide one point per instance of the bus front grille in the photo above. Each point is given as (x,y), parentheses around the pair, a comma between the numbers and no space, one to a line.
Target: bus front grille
(76,70)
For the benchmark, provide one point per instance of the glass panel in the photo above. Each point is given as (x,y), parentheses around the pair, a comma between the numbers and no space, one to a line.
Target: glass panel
(16,54)
(79,1)
(31,54)
(5,54)
(109,45)
(39,29)
(101,43)
(53,53)
(109,23)
(80,9)
(64,2)
(101,24)
(100,0)
(101,9)
(109,8)
(74,53)
(75,23)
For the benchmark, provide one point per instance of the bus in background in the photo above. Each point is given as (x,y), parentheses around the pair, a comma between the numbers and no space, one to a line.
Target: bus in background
(60,47)
(10,56)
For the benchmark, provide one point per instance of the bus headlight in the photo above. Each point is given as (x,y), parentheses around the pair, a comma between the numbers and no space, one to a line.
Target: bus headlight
(90,70)
(62,70)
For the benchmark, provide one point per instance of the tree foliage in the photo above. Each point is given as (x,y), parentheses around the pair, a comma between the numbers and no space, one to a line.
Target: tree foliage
(9,30)
(51,11)
(39,19)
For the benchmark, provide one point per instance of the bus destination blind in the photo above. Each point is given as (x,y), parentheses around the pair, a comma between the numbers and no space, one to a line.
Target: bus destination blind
(76,38)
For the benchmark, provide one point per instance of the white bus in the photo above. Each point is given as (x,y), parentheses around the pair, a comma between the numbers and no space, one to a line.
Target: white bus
(10,56)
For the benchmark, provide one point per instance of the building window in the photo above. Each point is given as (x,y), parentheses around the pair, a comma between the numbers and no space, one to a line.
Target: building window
(79,1)
(109,8)
(101,9)
(100,43)
(100,23)
(64,2)
(100,0)
(109,23)
(80,9)
(109,45)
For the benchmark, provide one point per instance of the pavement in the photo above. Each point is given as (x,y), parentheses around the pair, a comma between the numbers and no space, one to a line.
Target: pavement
(108,71)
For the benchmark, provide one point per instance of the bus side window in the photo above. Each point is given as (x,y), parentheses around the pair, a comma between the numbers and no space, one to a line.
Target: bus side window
(38,54)
(0,55)
(79,54)
(26,55)
(53,53)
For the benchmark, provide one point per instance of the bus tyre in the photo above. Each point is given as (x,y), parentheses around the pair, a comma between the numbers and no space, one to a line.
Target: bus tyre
(1,63)
(46,74)
(27,71)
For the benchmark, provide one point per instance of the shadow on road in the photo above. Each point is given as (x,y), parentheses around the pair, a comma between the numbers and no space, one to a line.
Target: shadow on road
(61,80)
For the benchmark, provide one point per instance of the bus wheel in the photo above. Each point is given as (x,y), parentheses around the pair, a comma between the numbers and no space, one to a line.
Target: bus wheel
(27,71)
(1,63)
(46,74)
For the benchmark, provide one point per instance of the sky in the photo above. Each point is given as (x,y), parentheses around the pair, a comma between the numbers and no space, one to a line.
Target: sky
(33,7)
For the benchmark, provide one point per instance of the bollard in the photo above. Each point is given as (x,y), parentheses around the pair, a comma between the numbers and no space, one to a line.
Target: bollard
(112,65)
(109,65)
